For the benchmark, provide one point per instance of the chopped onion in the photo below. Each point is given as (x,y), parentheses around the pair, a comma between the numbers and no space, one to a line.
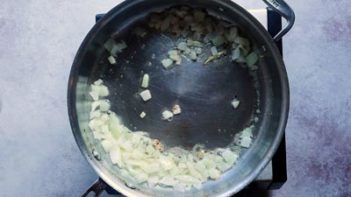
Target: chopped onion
(251,59)
(182,46)
(118,47)
(116,157)
(174,55)
(176,110)
(235,103)
(145,81)
(104,105)
(107,145)
(95,114)
(142,115)
(94,95)
(109,44)
(193,55)
(245,142)
(218,40)
(111,59)
(145,95)
(242,41)
(167,63)
(167,115)
(236,54)
(98,82)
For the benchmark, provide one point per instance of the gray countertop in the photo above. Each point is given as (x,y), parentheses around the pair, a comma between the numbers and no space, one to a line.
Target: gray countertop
(38,41)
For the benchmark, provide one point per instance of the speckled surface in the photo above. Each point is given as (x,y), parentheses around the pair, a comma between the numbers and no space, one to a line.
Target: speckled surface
(38,155)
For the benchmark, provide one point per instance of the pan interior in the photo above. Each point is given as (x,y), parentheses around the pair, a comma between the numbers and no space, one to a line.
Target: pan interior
(203,92)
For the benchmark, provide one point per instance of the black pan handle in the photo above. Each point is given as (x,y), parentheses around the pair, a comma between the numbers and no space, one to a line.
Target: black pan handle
(281,7)
(97,188)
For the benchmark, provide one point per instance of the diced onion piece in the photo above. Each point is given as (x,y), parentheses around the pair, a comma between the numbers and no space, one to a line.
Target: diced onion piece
(198,50)
(103,91)
(174,55)
(118,47)
(182,46)
(98,82)
(247,132)
(111,59)
(236,54)
(94,95)
(115,156)
(142,115)
(95,114)
(107,145)
(145,95)
(252,59)
(242,41)
(100,91)
(176,110)
(98,135)
(167,63)
(194,43)
(95,105)
(214,173)
(245,142)
(104,105)
(109,44)
(145,81)
(218,40)
(167,115)
(229,156)
(235,103)
(166,163)
(193,55)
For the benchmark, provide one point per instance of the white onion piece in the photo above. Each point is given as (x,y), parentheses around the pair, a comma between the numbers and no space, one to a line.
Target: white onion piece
(167,63)
(167,115)
(94,95)
(115,156)
(145,81)
(182,46)
(245,142)
(98,82)
(104,105)
(176,110)
(145,95)
(107,145)
(112,59)
(251,59)
(142,115)
(235,103)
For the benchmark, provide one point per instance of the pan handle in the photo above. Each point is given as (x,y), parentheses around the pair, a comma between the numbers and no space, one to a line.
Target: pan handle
(281,7)
(97,188)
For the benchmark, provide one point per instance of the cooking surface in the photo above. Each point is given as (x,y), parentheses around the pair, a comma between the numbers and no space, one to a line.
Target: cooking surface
(39,156)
